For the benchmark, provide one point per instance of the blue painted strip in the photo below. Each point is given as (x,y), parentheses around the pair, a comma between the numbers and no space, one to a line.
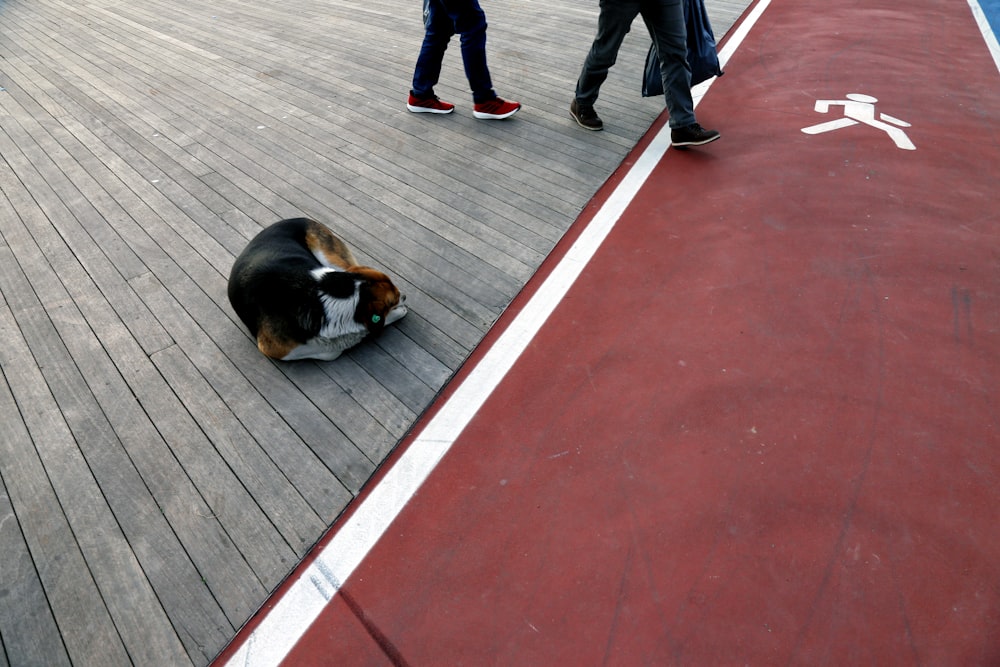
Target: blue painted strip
(987,15)
(991,8)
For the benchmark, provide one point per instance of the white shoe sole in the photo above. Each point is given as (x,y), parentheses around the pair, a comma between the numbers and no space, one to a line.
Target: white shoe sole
(426,110)
(494,116)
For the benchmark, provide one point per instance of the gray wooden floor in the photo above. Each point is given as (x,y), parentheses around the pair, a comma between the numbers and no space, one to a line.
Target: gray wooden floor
(158,476)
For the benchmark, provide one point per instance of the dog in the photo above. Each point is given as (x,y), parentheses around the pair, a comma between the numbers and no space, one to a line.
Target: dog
(302,295)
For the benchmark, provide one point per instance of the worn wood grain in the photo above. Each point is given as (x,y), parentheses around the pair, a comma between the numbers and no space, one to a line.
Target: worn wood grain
(29,630)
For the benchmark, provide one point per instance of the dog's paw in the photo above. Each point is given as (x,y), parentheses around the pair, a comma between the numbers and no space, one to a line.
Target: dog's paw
(396,314)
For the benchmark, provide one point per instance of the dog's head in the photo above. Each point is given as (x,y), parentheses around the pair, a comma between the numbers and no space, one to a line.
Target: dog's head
(381,302)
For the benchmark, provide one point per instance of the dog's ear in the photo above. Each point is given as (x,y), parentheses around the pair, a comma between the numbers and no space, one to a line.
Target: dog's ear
(338,284)
(378,296)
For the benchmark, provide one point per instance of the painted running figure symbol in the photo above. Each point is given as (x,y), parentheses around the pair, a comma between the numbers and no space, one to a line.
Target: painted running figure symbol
(860,108)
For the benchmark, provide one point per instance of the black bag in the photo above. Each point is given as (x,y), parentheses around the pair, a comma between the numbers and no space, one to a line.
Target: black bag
(701,53)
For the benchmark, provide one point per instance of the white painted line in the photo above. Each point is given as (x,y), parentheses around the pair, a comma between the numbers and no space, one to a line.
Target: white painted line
(288,620)
(987,30)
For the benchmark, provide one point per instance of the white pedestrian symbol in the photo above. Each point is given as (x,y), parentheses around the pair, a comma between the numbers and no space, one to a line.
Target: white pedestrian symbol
(860,108)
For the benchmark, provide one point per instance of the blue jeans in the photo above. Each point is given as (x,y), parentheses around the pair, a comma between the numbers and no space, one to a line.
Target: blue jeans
(665,21)
(442,19)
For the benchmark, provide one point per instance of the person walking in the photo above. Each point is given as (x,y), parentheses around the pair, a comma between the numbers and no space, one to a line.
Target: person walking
(442,19)
(665,21)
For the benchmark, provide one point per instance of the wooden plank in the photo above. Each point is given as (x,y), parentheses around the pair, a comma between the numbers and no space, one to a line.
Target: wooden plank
(28,631)
(297,462)
(138,615)
(398,366)
(310,159)
(257,542)
(314,161)
(49,486)
(154,542)
(116,475)
(283,504)
(327,508)
(453,328)
(256,539)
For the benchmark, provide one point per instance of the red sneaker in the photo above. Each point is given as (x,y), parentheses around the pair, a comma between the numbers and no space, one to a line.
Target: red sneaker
(428,105)
(495,109)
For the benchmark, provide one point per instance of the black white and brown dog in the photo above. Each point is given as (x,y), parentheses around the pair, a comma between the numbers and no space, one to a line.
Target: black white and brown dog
(301,293)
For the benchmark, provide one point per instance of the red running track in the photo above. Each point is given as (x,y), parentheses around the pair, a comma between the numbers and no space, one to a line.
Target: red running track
(763,425)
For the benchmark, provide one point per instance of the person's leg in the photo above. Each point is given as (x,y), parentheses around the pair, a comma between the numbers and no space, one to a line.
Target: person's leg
(469,20)
(438,29)
(665,21)
(613,24)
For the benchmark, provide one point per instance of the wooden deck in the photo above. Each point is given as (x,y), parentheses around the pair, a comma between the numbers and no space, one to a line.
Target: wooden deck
(159,476)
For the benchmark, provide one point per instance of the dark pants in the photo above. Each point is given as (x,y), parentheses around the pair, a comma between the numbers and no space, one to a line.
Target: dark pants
(665,21)
(442,19)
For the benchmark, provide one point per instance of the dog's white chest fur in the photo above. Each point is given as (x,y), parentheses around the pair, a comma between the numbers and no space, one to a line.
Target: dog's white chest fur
(340,330)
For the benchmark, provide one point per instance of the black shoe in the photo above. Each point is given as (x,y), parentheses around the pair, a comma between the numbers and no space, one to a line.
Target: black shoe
(585,116)
(692,135)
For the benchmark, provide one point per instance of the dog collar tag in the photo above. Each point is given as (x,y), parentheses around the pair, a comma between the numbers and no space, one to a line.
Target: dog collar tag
(376,319)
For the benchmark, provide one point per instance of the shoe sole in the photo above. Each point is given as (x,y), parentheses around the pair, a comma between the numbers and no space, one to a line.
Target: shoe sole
(596,128)
(685,144)
(494,116)
(426,110)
